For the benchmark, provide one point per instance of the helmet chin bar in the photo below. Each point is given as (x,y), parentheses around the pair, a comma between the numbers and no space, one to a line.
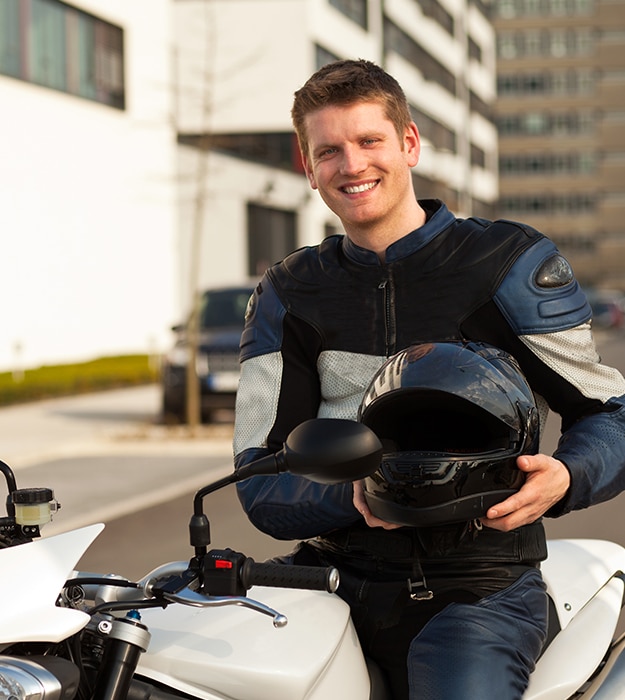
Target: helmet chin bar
(458,510)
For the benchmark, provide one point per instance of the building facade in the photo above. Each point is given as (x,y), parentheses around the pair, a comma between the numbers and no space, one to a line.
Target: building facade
(561,119)
(149,151)
(237,68)
(87,179)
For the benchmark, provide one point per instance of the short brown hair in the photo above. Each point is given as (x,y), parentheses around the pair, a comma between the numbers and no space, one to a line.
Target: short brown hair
(346,82)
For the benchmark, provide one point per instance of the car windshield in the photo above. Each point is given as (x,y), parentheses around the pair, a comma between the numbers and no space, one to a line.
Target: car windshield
(224,307)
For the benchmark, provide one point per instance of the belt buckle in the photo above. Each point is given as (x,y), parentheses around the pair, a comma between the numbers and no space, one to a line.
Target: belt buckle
(419,590)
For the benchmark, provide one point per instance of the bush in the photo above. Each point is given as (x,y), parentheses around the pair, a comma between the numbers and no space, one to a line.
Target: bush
(66,380)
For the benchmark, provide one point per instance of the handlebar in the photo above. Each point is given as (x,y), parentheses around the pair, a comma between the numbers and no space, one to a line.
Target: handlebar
(283,576)
(226,572)
(223,578)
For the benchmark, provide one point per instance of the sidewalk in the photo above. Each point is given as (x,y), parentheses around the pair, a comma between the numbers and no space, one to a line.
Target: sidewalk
(104,454)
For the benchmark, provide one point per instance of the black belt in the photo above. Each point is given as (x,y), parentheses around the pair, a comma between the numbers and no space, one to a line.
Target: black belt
(387,544)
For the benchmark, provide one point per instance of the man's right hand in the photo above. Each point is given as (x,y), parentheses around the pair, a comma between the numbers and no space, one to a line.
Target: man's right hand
(361,506)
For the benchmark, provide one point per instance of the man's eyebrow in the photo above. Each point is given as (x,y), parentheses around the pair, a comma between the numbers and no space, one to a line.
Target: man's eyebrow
(323,147)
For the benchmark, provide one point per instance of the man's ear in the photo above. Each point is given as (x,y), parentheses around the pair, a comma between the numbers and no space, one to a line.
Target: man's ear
(412,143)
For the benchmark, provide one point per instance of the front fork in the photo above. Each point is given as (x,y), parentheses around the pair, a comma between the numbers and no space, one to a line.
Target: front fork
(126,639)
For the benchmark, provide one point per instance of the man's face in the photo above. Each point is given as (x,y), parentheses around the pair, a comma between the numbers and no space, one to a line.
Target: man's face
(360,165)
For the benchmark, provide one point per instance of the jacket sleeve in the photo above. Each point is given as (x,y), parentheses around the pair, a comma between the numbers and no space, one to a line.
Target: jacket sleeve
(548,313)
(593,450)
(290,507)
(278,390)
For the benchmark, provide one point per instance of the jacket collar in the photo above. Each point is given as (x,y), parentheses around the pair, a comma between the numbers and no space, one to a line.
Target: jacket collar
(438,218)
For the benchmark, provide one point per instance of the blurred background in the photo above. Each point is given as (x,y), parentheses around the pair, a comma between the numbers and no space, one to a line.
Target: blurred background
(148,150)
(149,174)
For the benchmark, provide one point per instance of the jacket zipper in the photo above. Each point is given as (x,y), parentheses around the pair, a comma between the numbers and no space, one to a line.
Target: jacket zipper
(390,338)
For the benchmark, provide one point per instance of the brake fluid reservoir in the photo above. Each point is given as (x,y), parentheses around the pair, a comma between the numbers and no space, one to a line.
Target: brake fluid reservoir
(33,506)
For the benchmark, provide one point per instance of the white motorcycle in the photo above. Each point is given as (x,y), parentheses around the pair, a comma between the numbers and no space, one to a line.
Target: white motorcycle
(188,629)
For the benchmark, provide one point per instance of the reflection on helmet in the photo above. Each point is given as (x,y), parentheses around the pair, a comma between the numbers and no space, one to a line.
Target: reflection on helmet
(452,417)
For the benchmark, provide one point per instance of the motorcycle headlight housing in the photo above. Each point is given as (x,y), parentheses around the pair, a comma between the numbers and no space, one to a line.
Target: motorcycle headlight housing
(25,679)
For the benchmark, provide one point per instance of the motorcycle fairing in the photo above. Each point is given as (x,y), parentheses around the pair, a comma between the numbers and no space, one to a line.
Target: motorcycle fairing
(237,653)
(32,577)
(576,569)
(588,598)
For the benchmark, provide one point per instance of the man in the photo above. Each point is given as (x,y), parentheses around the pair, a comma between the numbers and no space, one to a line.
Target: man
(323,321)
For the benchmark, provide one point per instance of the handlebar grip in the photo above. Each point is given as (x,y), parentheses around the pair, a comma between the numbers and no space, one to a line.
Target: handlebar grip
(289,576)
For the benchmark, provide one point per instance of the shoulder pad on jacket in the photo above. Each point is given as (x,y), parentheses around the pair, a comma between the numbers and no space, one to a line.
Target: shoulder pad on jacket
(263,322)
(540,293)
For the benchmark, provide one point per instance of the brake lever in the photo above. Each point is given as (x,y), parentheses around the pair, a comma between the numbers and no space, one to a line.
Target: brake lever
(187,596)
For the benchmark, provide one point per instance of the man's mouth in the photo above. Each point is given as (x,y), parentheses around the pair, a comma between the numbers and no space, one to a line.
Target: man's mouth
(355,189)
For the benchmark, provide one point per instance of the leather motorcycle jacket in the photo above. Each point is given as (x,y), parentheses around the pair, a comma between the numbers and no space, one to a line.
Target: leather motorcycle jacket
(322,321)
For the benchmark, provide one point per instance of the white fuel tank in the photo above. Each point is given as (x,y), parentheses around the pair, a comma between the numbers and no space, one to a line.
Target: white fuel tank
(237,653)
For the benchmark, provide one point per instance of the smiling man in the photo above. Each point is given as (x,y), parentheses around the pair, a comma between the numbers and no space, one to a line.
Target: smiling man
(361,166)
(455,609)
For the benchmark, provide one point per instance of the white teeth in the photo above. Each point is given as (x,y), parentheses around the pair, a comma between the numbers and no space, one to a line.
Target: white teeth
(359,188)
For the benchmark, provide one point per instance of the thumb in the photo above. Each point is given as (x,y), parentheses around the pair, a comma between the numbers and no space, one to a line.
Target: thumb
(529,463)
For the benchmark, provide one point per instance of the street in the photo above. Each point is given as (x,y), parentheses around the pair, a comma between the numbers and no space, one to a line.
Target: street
(108,461)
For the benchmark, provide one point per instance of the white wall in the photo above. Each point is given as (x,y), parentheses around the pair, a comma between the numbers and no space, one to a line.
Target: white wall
(237,63)
(87,207)
(229,186)
(96,204)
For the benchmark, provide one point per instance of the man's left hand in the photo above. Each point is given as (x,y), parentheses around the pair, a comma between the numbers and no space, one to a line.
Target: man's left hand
(547,481)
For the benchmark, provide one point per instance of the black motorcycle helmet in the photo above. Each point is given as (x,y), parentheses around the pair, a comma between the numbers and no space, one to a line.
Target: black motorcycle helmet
(452,418)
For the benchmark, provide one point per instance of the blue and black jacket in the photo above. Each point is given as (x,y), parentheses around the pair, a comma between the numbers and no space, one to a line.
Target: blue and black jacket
(322,321)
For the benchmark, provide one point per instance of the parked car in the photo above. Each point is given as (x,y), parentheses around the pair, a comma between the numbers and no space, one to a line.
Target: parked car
(221,320)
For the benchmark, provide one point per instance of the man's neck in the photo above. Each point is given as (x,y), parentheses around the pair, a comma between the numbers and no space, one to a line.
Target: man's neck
(379,236)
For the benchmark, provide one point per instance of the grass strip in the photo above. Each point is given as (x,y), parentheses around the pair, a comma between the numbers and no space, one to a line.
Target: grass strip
(78,378)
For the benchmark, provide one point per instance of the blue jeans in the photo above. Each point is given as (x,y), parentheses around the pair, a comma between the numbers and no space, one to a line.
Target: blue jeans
(485,649)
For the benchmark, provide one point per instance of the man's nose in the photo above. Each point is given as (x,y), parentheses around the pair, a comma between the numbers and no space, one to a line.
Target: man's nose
(353,161)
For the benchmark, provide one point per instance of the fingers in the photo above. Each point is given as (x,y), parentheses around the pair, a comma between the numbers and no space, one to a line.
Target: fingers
(547,481)
(361,506)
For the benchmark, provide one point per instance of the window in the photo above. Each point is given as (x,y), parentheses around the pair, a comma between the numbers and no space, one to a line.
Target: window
(433,9)
(356,10)
(507,45)
(558,43)
(440,136)
(535,123)
(532,8)
(275,149)
(506,8)
(584,7)
(271,236)
(323,56)
(545,123)
(10,38)
(475,50)
(548,205)
(397,40)
(57,46)
(478,105)
(558,7)
(533,43)
(574,81)
(548,163)
(478,156)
